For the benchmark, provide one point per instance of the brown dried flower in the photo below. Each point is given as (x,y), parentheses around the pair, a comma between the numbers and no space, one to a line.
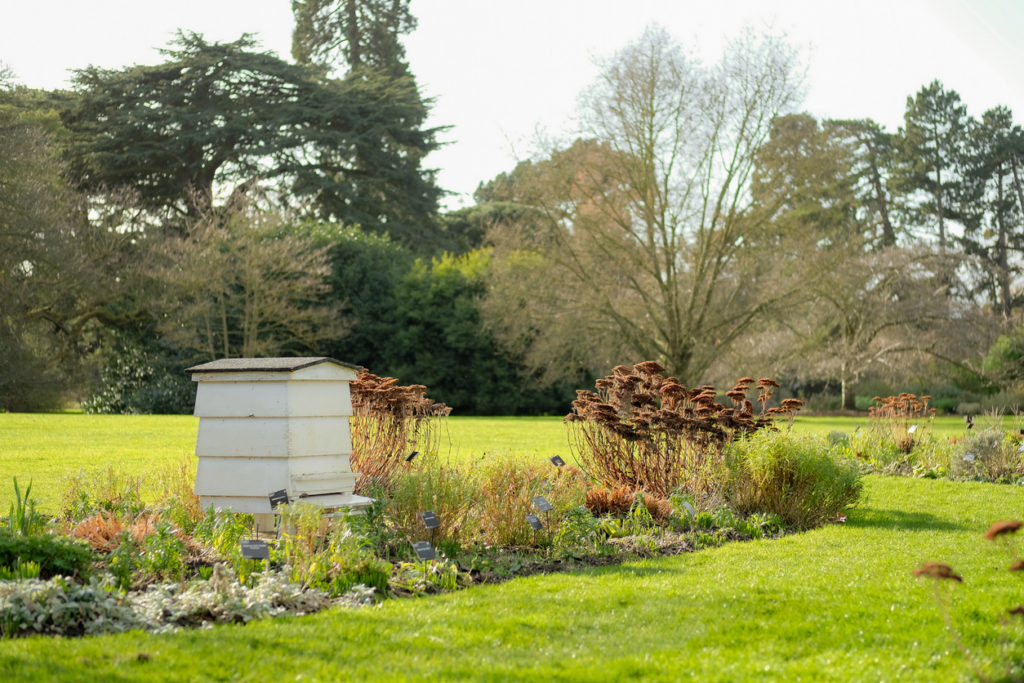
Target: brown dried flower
(937,570)
(1001,528)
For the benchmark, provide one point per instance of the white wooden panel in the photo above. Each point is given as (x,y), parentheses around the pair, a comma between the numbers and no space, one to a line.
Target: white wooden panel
(316,399)
(318,464)
(324,483)
(236,503)
(273,437)
(241,476)
(242,399)
(273,399)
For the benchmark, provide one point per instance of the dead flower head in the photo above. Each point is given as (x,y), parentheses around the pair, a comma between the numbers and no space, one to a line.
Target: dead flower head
(1001,528)
(937,570)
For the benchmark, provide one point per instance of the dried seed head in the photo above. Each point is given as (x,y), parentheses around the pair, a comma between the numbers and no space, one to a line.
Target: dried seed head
(937,570)
(1001,528)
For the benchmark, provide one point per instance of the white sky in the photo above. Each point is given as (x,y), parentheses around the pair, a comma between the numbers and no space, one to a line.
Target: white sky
(500,71)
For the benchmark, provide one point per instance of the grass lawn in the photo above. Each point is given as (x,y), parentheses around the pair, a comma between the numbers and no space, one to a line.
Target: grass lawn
(838,603)
(44,448)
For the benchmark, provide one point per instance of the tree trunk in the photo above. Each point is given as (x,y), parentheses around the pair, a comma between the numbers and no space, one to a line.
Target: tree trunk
(1002,257)
(1015,161)
(355,57)
(888,234)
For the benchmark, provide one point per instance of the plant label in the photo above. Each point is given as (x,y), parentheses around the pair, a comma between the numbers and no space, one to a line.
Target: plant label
(278,497)
(534,521)
(690,510)
(409,458)
(430,520)
(970,457)
(542,504)
(911,429)
(1021,449)
(557,461)
(424,550)
(255,550)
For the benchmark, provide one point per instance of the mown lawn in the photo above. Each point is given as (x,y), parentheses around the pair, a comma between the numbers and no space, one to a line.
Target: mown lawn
(45,448)
(838,603)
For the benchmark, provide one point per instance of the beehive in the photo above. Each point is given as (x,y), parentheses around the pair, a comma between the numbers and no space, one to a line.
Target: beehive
(267,424)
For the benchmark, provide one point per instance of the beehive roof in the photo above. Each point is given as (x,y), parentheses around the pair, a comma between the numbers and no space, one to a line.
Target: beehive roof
(266,364)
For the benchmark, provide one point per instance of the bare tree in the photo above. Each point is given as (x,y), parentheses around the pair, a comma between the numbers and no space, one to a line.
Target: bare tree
(241,283)
(647,220)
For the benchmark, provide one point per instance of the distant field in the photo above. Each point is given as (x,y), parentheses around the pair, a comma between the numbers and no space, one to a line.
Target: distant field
(44,448)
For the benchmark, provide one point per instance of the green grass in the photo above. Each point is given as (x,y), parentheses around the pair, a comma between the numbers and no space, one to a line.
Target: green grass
(837,603)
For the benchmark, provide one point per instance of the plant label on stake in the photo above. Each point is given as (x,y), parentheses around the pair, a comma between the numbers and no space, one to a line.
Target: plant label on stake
(534,521)
(911,429)
(255,550)
(557,461)
(412,455)
(542,504)
(424,550)
(430,519)
(278,497)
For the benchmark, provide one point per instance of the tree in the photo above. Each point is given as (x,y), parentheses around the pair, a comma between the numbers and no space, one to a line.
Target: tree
(359,33)
(932,154)
(217,119)
(439,340)
(67,268)
(243,283)
(647,218)
(866,311)
(992,218)
(873,162)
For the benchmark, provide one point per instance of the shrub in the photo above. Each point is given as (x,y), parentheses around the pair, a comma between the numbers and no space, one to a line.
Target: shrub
(988,454)
(55,555)
(798,479)
(650,433)
(901,420)
(443,488)
(388,423)
(85,494)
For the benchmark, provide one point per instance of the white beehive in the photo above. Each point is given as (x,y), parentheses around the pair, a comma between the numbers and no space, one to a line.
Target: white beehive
(267,424)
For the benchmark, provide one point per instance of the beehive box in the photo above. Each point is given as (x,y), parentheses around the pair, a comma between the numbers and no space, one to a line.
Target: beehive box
(267,424)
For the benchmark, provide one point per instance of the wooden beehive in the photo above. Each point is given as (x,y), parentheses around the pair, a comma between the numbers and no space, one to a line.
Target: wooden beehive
(267,424)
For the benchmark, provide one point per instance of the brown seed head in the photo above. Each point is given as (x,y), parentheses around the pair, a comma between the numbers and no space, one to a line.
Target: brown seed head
(937,570)
(1001,528)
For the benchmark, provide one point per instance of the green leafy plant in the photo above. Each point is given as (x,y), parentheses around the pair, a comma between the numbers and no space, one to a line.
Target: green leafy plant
(799,479)
(55,555)
(111,490)
(578,533)
(20,571)
(164,553)
(23,518)
(124,560)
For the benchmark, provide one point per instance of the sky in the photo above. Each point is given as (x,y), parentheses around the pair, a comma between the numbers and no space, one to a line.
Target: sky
(505,74)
